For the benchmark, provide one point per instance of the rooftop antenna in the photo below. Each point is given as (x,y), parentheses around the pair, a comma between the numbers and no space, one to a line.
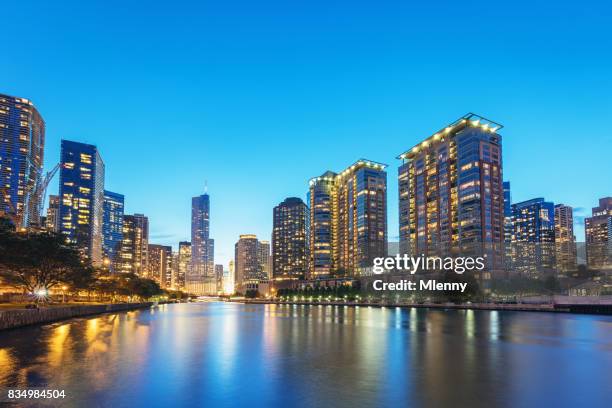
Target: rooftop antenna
(205,186)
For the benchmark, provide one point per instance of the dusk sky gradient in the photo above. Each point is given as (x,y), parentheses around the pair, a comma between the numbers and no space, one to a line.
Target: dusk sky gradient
(258,97)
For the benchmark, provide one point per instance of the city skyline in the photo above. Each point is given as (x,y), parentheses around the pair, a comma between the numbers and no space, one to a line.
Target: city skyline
(302,91)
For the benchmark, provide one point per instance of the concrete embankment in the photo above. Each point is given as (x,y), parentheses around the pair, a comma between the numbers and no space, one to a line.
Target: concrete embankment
(523,307)
(10,319)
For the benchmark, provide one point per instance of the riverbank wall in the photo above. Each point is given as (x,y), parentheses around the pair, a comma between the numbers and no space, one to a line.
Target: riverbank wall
(13,318)
(519,307)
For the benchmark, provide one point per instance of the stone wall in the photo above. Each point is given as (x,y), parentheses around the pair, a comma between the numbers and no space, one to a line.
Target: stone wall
(23,317)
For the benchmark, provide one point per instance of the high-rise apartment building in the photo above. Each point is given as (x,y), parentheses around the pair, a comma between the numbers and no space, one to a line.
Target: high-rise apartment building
(202,246)
(451,197)
(133,255)
(160,265)
(565,240)
(348,220)
(533,235)
(52,222)
(597,230)
(112,228)
(290,239)
(82,197)
(248,262)
(22,142)
(507,213)
(219,278)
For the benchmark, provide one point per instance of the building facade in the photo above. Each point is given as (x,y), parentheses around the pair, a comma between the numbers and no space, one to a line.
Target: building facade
(82,197)
(265,260)
(565,240)
(348,220)
(290,239)
(183,264)
(248,262)
(22,142)
(52,222)
(160,265)
(533,236)
(451,197)
(202,246)
(598,231)
(112,228)
(133,255)
(219,278)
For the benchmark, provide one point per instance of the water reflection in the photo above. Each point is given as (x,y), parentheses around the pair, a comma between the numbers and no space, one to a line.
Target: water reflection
(288,355)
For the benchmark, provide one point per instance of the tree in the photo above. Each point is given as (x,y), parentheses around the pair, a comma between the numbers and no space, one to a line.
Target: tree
(39,261)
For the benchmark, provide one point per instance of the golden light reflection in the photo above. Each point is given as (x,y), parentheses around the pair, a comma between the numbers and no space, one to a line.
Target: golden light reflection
(57,346)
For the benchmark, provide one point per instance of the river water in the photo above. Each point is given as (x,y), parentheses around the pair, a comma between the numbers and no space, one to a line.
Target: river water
(235,355)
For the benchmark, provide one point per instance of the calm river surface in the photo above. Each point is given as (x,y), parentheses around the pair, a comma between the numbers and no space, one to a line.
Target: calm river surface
(226,355)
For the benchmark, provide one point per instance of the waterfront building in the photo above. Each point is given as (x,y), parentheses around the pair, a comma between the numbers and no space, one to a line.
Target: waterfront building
(133,255)
(565,240)
(533,235)
(507,213)
(201,277)
(248,262)
(348,220)
(160,265)
(22,142)
(451,196)
(231,285)
(598,233)
(52,221)
(264,258)
(219,278)
(112,228)
(183,264)
(81,193)
(290,239)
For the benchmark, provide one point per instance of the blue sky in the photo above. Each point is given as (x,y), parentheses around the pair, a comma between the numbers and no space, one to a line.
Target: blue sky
(258,97)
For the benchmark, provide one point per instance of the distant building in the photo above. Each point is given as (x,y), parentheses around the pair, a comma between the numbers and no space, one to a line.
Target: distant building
(265,260)
(201,277)
(248,262)
(184,264)
(598,234)
(133,256)
(22,143)
(565,240)
(451,192)
(290,239)
(52,222)
(219,278)
(112,227)
(533,235)
(348,220)
(160,265)
(82,197)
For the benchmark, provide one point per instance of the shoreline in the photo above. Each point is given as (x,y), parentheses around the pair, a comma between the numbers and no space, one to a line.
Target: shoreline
(16,318)
(518,307)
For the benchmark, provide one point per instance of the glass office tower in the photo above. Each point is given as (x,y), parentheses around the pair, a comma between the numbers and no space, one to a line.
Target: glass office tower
(112,228)
(81,193)
(22,142)
(451,197)
(533,236)
(348,220)
(598,234)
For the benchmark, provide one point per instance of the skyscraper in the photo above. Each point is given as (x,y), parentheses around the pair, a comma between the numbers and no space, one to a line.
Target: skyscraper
(451,196)
(565,241)
(533,234)
(112,227)
(160,265)
(248,262)
(52,222)
(184,264)
(507,213)
(202,246)
(22,142)
(82,197)
(219,278)
(133,255)
(265,261)
(348,220)
(290,239)
(597,232)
